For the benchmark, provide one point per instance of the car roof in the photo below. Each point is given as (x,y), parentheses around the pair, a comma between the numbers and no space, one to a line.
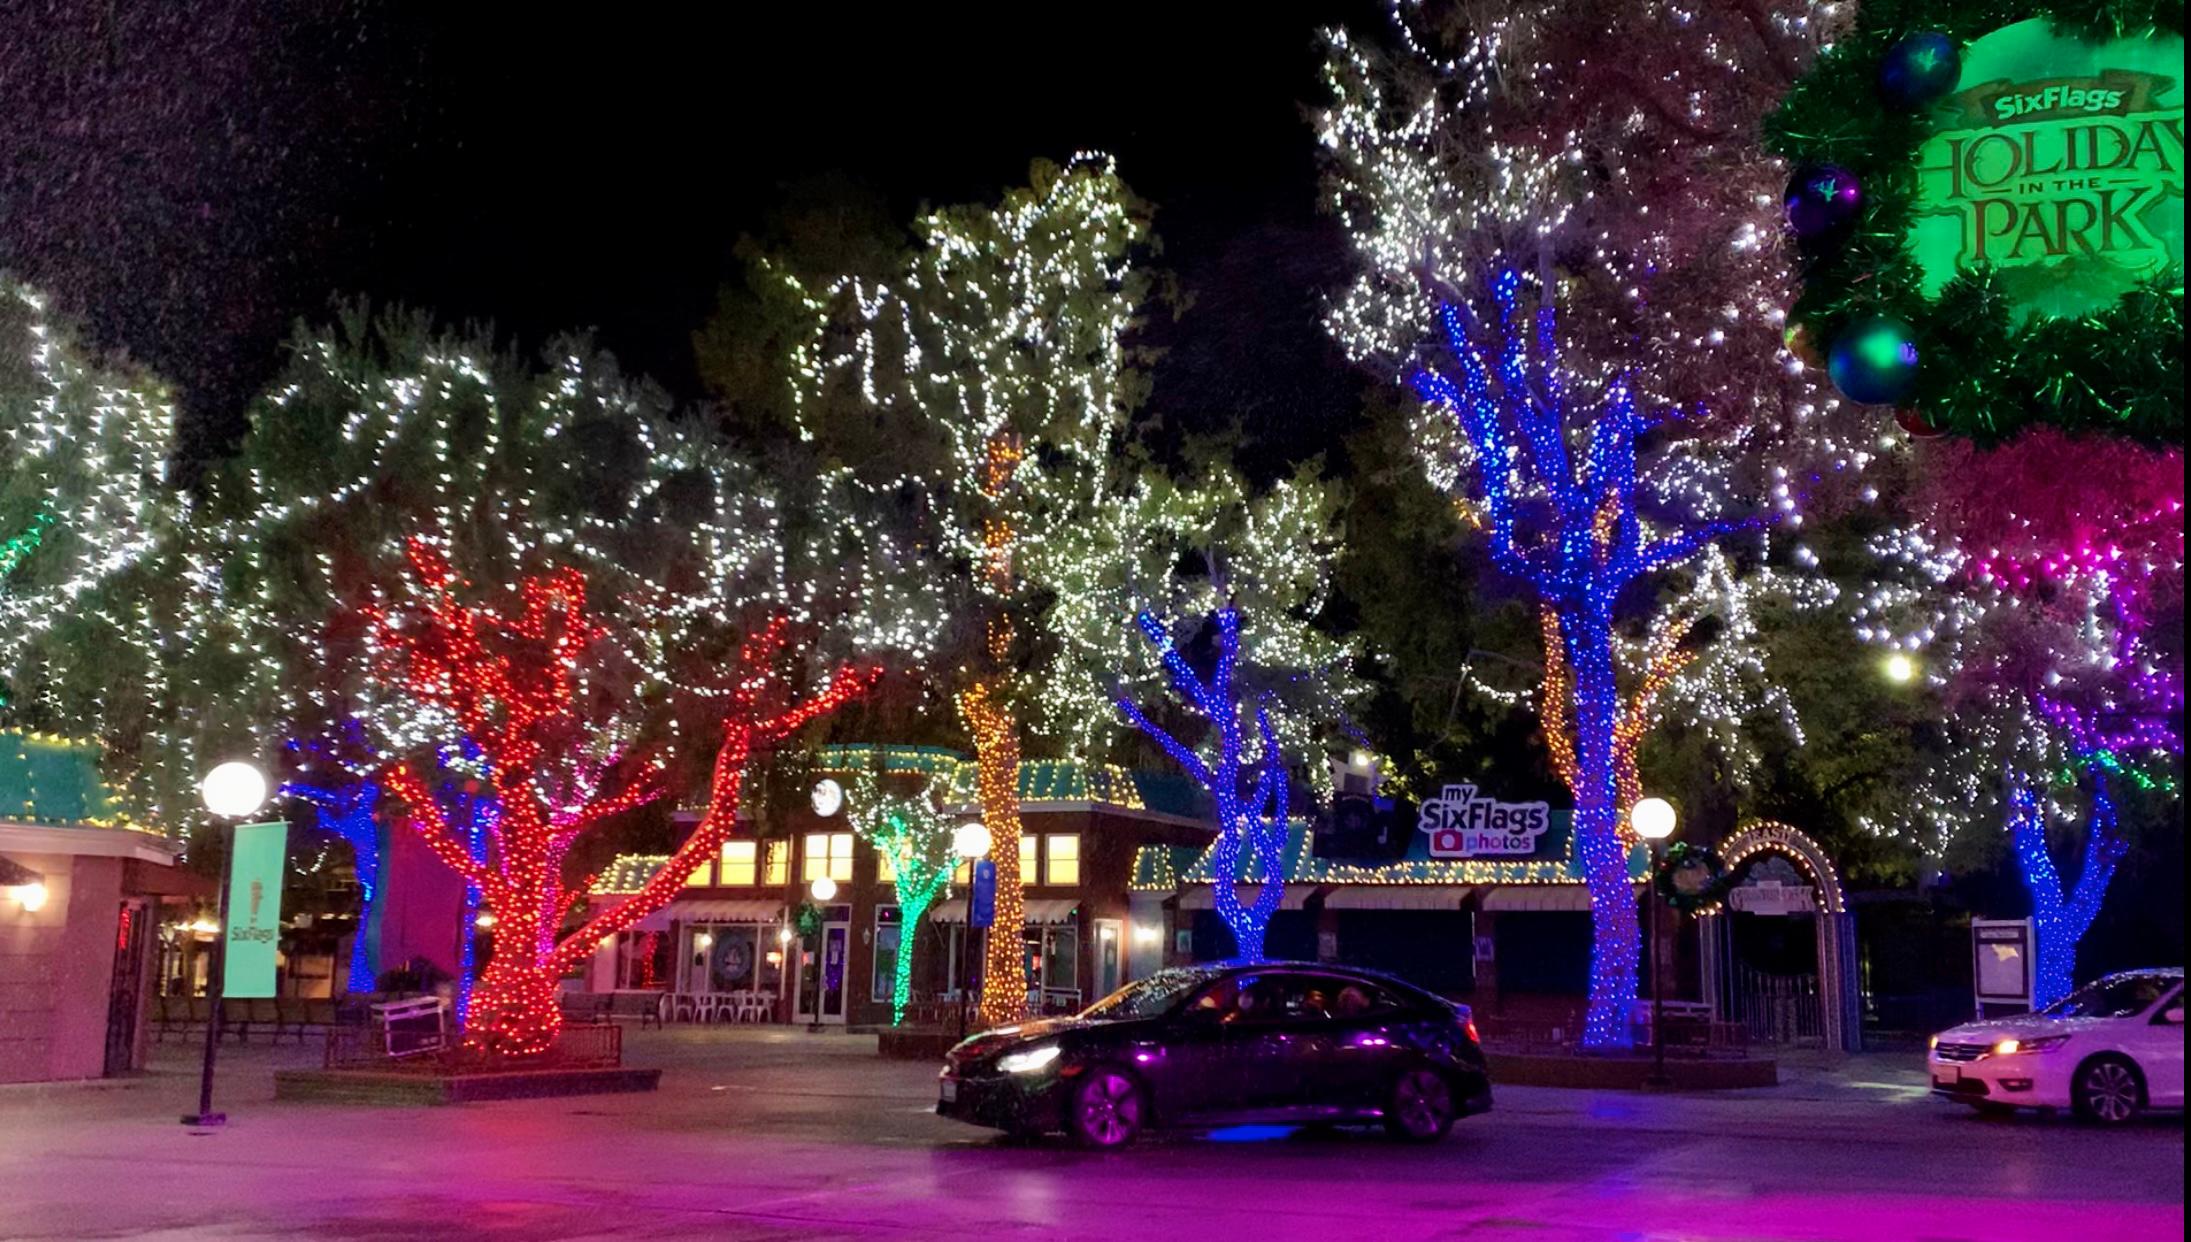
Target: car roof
(2149,972)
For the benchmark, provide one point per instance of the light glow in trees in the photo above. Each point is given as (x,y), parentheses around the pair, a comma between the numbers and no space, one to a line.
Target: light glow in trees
(1250,791)
(513,681)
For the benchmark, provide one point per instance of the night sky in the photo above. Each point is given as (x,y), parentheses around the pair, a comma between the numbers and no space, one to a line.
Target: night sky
(191,179)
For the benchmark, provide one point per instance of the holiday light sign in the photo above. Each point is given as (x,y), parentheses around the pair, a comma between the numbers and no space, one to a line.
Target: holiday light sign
(1465,824)
(2059,163)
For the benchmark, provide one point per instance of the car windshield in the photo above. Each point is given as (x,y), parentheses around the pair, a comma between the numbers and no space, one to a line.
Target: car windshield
(1147,998)
(2110,998)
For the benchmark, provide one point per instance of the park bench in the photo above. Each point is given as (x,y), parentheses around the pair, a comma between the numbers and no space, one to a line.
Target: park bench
(619,1006)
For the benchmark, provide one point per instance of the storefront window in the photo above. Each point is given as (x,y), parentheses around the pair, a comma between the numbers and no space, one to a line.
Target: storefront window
(830,854)
(738,862)
(1027,862)
(776,863)
(732,957)
(1064,859)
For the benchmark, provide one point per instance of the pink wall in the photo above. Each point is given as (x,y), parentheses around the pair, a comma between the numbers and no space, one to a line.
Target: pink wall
(55,966)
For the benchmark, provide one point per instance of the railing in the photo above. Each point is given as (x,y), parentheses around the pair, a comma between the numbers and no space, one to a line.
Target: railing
(1778,1009)
(1691,1033)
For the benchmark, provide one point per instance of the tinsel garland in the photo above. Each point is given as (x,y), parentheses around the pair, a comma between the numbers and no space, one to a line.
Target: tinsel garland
(2119,370)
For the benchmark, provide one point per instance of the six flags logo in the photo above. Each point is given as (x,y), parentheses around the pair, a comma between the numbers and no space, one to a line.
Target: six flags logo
(1463,825)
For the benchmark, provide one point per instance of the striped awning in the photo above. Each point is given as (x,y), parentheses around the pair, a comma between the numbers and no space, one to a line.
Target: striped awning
(1040,911)
(1204,896)
(1397,897)
(726,910)
(1523,897)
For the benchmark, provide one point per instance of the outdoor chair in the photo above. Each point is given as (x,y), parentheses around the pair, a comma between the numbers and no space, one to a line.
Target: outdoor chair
(682,1008)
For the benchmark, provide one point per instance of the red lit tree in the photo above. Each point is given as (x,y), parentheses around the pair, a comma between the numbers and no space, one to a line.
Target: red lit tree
(515,683)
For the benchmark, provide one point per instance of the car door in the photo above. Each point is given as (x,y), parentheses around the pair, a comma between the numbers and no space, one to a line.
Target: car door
(2157,1043)
(1364,1048)
(1285,1037)
(1197,1069)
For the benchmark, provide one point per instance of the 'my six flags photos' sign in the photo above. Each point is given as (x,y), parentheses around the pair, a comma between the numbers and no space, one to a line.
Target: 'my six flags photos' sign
(1463,824)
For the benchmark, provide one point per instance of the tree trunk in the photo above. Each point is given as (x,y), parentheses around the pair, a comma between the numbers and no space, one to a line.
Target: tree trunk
(514,1007)
(996,754)
(1599,850)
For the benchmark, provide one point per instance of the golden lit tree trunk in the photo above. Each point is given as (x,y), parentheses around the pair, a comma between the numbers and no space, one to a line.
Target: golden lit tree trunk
(996,754)
(1666,660)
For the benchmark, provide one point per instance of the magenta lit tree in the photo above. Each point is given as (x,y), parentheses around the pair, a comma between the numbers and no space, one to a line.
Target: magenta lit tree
(1250,790)
(2040,588)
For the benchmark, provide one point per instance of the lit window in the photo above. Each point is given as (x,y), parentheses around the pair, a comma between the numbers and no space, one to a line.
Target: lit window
(885,872)
(963,873)
(738,862)
(776,863)
(830,854)
(1027,864)
(702,876)
(1064,851)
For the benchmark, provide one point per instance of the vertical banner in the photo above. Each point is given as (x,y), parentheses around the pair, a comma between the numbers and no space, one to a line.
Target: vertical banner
(256,863)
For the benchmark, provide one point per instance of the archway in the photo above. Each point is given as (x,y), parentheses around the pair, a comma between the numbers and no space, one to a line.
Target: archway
(1747,854)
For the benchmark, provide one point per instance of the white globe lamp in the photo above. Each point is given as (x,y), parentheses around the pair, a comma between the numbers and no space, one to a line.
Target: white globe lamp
(1653,819)
(970,840)
(827,797)
(823,888)
(233,790)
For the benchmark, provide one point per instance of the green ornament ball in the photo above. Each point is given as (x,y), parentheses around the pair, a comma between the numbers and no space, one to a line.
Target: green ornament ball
(1874,361)
(1920,69)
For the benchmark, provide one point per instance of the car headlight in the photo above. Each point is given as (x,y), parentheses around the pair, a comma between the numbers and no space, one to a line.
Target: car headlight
(2044,1043)
(1934,1042)
(1029,1061)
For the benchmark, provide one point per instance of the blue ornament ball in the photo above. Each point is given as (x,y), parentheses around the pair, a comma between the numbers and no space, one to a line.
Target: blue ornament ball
(1874,361)
(1822,198)
(1920,68)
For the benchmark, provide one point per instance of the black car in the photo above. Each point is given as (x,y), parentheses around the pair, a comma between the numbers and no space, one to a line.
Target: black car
(1224,1044)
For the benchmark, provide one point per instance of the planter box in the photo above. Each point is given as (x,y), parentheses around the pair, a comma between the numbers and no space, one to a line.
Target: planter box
(339,1086)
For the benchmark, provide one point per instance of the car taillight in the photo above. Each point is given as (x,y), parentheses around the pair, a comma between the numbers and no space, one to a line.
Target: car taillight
(1468,1025)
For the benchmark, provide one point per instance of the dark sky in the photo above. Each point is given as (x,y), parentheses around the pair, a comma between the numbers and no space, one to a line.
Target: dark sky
(192,178)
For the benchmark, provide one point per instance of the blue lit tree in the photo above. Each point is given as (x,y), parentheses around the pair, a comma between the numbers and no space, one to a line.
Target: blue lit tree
(1572,532)
(350,811)
(2100,744)
(1250,792)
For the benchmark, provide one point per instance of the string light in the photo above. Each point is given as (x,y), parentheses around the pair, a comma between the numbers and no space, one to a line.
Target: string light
(1250,793)
(913,835)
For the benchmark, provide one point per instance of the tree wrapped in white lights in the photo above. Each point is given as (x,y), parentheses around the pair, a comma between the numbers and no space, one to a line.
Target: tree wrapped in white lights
(1004,333)
(90,519)
(1609,149)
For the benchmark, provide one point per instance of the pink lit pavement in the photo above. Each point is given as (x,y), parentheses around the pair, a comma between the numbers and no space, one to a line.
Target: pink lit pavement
(784,1135)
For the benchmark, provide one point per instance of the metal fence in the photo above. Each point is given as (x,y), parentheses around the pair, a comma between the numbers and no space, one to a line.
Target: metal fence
(1778,1009)
(1693,1036)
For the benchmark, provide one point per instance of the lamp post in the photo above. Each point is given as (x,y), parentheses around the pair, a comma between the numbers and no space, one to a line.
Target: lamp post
(969,841)
(1653,819)
(231,791)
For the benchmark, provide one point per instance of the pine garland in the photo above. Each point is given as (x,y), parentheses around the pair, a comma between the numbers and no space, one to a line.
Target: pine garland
(2119,370)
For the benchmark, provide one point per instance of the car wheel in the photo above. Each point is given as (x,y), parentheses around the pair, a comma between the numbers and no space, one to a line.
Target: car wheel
(2108,1091)
(1105,1109)
(1420,1109)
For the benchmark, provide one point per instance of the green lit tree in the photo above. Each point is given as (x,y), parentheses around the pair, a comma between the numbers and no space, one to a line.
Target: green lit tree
(913,837)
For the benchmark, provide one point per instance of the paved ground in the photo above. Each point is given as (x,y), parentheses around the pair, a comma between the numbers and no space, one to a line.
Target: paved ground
(782,1135)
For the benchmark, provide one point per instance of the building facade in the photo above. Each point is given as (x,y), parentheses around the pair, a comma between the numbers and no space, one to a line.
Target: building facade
(80,902)
(749,938)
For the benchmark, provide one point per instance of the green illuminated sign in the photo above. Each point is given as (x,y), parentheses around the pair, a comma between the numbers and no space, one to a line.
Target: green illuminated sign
(255,867)
(2060,164)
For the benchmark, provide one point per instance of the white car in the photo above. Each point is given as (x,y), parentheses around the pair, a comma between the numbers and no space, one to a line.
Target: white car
(2107,1051)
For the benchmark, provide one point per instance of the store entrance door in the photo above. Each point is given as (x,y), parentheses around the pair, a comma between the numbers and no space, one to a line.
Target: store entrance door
(1109,957)
(822,972)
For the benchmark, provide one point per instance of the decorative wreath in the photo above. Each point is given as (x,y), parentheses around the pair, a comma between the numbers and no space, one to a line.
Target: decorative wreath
(1959,361)
(1691,877)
